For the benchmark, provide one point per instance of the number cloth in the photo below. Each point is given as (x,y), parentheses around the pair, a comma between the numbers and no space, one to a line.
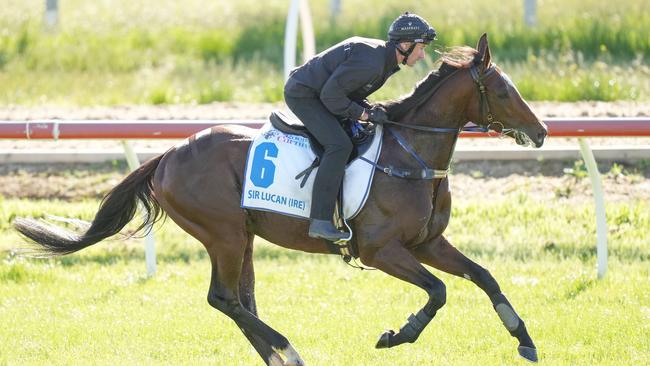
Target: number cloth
(275,159)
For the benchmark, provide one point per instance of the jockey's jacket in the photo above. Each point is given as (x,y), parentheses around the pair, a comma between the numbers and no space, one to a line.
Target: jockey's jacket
(345,74)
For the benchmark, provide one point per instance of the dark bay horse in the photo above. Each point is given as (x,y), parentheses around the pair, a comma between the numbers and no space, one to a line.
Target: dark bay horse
(199,184)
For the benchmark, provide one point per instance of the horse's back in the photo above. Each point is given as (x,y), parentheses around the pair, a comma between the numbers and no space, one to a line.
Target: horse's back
(202,176)
(218,148)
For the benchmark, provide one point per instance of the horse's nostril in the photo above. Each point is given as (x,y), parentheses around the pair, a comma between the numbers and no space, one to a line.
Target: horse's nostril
(541,135)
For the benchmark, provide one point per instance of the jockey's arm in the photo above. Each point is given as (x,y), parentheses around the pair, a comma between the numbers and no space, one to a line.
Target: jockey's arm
(348,77)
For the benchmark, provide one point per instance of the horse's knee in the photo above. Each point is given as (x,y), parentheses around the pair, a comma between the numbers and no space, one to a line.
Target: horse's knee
(485,281)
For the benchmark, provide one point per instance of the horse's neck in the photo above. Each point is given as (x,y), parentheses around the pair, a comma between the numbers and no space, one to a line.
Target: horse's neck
(446,108)
(436,148)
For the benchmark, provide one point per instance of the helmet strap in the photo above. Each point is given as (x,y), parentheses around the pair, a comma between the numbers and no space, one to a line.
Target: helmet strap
(406,53)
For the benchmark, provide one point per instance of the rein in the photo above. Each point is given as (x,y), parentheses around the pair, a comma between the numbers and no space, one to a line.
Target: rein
(426,173)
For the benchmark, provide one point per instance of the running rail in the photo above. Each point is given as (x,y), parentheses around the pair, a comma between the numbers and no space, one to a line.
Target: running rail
(177,129)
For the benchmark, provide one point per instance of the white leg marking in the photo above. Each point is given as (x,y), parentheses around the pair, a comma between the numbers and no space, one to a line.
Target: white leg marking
(293,358)
(275,360)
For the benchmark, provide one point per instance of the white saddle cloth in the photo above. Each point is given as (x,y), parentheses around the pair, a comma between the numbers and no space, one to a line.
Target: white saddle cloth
(275,159)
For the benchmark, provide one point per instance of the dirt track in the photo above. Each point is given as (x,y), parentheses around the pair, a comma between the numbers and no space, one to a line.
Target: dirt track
(469,181)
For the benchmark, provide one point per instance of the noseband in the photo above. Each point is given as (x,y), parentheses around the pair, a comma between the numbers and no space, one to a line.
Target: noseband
(486,119)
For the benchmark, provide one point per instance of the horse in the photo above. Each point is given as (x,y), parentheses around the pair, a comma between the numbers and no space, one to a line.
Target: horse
(198,184)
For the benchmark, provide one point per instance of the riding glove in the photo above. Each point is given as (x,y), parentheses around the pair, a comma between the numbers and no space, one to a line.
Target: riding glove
(377,115)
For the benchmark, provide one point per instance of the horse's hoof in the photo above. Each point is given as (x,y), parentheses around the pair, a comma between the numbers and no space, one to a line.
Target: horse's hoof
(297,363)
(384,339)
(528,353)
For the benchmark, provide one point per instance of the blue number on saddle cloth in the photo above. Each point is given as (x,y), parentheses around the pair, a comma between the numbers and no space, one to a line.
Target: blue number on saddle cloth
(276,158)
(263,169)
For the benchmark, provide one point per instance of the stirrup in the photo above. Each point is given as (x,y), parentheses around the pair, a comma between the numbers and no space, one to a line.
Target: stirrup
(324,229)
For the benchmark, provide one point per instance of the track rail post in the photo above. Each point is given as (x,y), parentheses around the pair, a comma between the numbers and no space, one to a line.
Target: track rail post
(149,240)
(599,197)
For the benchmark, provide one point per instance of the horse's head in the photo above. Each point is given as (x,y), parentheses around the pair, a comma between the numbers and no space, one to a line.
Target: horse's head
(498,104)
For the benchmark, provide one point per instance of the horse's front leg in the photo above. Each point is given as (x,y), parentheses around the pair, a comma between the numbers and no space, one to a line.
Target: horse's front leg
(440,254)
(397,261)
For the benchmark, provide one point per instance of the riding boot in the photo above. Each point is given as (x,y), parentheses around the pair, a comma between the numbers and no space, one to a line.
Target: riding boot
(324,229)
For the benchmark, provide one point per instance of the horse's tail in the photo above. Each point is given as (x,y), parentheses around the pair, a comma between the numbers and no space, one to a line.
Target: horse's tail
(116,210)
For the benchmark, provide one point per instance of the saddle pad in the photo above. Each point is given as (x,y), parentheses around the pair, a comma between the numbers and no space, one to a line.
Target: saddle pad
(275,159)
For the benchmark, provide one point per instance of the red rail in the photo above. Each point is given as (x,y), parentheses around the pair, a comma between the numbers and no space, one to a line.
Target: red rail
(174,129)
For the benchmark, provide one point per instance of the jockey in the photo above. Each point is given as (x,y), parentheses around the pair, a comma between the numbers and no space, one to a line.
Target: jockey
(332,86)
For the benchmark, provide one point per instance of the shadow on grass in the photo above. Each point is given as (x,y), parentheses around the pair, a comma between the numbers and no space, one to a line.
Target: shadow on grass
(588,253)
(578,286)
(269,252)
(478,250)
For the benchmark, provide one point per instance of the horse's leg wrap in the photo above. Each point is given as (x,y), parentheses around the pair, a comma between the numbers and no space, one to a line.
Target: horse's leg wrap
(506,313)
(515,326)
(409,332)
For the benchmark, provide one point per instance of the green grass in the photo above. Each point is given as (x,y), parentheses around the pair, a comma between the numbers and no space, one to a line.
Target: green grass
(94,314)
(98,307)
(123,52)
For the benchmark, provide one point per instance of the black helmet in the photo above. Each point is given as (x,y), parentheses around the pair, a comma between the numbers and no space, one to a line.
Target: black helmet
(411,28)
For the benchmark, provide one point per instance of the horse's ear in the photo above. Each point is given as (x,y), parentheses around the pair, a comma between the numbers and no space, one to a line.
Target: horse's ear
(484,51)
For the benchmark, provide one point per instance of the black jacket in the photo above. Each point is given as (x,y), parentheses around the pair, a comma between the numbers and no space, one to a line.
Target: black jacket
(345,74)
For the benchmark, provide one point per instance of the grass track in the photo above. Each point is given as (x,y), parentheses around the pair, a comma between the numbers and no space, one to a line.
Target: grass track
(94,314)
(96,307)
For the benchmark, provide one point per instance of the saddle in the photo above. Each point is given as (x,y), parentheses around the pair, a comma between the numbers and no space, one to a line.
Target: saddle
(360,134)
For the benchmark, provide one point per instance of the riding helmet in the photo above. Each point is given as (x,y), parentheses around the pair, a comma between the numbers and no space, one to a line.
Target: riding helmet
(411,28)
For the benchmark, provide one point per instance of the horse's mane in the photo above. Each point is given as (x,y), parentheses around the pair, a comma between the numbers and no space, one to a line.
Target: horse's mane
(451,60)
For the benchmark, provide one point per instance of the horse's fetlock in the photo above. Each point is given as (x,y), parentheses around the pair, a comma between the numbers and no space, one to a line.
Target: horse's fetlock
(281,343)
(437,299)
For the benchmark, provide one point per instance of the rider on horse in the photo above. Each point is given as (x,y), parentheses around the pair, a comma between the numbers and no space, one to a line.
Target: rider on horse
(332,87)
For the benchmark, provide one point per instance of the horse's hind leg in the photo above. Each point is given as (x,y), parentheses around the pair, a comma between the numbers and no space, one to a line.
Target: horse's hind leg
(440,254)
(231,284)
(247,298)
(227,257)
(247,279)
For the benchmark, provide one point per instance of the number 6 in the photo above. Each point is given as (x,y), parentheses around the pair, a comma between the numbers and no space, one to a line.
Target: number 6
(263,169)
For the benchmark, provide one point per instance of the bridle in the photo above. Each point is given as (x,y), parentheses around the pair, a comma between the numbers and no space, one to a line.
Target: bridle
(426,173)
(483,102)
(484,108)
(483,125)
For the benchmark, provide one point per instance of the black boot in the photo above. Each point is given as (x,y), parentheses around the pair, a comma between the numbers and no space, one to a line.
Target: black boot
(324,229)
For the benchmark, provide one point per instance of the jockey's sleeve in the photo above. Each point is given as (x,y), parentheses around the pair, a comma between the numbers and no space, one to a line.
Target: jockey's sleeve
(349,76)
